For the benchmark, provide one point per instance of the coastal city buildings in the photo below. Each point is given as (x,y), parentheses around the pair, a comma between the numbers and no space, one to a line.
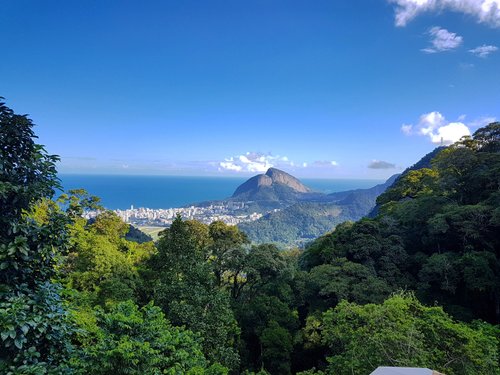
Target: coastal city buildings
(229,212)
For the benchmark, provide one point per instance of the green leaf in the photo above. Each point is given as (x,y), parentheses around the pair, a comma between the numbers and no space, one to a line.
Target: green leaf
(18,344)
(25,329)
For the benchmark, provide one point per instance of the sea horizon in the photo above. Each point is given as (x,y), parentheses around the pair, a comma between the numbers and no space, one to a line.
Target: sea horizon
(121,191)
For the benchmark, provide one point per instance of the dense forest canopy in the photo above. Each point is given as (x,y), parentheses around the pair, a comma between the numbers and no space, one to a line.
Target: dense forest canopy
(417,285)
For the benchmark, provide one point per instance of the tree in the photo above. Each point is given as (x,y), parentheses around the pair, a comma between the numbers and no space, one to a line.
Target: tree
(185,286)
(487,138)
(129,340)
(347,280)
(34,328)
(415,183)
(403,332)
(226,250)
(102,265)
(277,347)
(264,306)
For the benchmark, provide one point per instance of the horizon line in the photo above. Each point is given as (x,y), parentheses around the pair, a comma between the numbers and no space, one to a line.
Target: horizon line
(207,176)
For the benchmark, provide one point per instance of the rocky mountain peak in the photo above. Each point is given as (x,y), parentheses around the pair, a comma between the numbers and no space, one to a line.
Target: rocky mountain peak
(280,177)
(273,179)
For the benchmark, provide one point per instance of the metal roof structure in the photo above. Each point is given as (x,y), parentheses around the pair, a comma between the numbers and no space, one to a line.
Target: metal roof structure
(404,371)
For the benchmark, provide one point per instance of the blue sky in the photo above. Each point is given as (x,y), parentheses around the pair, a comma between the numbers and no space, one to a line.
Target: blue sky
(354,89)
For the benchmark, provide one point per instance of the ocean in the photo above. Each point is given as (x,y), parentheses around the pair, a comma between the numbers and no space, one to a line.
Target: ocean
(121,192)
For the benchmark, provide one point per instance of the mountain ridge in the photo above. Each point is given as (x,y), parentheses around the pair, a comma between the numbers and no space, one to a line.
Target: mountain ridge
(274,185)
(305,219)
(292,213)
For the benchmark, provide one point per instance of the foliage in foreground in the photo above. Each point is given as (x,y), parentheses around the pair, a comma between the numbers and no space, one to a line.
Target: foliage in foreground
(129,340)
(403,332)
(34,329)
(225,306)
(436,234)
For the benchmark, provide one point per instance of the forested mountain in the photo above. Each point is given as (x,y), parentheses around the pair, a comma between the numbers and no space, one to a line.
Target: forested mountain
(293,213)
(425,162)
(303,221)
(418,285)
(316,214)
(370,194)
(437,231)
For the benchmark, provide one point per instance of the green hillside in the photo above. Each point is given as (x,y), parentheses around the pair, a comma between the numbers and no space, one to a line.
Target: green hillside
(437,231)
(299,223)
(416,286)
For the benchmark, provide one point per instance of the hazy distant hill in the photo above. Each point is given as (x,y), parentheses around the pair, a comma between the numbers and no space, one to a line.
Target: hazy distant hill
(294,213)
(313,215)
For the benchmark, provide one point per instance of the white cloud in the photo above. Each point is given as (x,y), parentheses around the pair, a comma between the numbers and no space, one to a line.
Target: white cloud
(439,131)
(254,162)
(406,129)
(450,133)
(230,165)
(380,164)
(483,51)
(485,11)
(429,122)
(442,40)
(325,164)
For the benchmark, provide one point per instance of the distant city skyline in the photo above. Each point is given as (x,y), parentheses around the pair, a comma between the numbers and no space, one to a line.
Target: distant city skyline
(323,89)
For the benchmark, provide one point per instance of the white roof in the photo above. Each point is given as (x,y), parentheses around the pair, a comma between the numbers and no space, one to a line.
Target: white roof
(401,371)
